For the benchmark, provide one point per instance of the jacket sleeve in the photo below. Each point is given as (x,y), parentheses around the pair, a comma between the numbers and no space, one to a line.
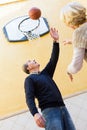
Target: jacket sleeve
(29,95)
(50,67)
(77,60)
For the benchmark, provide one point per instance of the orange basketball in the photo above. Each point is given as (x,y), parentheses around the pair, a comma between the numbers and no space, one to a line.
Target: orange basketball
(34,13)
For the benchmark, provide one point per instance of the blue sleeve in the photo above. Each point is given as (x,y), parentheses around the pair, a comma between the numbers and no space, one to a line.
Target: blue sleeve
(29,94)
(50,67)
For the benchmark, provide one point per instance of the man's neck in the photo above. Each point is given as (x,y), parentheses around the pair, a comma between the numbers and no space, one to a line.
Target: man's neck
(35,72)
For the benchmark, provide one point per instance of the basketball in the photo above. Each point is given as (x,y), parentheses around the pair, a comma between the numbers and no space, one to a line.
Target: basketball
(34,13)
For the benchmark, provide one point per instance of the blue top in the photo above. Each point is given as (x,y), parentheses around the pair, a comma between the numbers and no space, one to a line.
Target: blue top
(43,87)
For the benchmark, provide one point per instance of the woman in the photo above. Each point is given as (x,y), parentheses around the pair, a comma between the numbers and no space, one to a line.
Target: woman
(74,16)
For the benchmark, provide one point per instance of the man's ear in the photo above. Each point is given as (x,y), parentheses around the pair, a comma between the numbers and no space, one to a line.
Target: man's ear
(29,67)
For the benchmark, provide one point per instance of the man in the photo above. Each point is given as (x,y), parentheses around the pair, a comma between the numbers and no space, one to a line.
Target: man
(41,85)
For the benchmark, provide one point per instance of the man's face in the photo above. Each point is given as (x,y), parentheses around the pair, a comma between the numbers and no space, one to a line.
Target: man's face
(32,64)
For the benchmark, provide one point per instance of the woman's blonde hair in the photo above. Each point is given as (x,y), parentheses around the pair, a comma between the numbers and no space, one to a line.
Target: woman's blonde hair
(73,14)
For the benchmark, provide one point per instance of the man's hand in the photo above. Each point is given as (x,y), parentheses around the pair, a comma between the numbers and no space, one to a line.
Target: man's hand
(39,119)
(70,76)
(54,34)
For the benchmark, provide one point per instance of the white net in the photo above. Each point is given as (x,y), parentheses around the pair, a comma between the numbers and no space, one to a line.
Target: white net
(30,35)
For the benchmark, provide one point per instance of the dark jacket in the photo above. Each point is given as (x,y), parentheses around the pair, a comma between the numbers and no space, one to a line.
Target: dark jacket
(43,87)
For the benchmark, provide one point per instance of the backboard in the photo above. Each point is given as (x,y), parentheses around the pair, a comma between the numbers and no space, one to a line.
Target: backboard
(13,34)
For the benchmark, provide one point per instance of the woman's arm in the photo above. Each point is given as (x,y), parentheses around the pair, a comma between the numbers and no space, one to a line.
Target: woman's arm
(77,60)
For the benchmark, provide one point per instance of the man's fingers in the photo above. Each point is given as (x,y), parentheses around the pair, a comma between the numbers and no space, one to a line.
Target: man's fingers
(40,121)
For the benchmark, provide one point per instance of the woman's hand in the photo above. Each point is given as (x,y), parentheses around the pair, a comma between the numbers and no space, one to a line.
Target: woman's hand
(67,42)
(70,76)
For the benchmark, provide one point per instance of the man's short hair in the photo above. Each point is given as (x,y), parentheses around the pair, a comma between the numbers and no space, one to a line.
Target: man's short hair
(24,67)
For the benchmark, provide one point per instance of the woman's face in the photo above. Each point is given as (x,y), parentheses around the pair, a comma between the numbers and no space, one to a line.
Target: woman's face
(71,26)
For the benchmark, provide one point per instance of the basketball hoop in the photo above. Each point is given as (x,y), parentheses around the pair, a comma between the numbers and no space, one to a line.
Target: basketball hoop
(29,28)
(22,28)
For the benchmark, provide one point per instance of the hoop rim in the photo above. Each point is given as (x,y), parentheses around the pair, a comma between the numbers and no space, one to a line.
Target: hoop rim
(31,29)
